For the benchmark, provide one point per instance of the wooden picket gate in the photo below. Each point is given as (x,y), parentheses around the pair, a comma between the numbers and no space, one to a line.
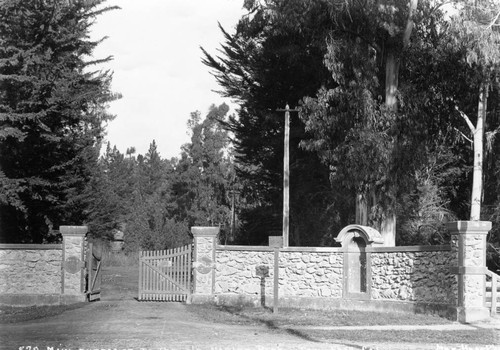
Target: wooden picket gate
(93,273)
(165,275)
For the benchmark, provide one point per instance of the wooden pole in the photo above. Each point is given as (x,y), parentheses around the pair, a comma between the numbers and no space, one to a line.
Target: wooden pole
(286,176)
(233,214)
(286,180)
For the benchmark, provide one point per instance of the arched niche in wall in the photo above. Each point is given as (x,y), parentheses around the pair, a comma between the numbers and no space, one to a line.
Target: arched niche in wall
(357,272)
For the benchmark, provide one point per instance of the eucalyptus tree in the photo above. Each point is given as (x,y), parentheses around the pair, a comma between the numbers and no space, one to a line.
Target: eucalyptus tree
(355,123)
(476,28)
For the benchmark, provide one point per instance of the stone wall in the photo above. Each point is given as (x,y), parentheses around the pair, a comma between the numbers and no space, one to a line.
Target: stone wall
(250,272)
(414,274)
(312,274)
(30,269)
(363,274)
(44,274)
(417,274)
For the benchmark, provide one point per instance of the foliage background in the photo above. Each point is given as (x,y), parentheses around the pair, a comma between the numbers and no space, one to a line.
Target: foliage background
(329,59)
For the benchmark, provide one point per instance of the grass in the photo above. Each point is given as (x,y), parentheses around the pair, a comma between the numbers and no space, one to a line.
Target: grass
(12,314)
(119,283)
(470,337)
(301,317)
(121,259)
(293,320)
(120,274)
(424,336)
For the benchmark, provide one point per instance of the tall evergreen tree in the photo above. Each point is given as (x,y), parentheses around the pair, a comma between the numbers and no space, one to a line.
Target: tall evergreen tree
(274,58)
(52,113)
(151,171)
(204,172)
(109,193)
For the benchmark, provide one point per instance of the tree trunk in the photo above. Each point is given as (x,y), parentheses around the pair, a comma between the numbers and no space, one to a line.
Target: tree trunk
(361,210)
(478,134)
(391,80)
(388,224)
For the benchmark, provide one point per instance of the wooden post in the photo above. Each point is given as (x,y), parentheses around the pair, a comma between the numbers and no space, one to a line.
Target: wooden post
(493,310)
(139,297)
(276,279)
(276,242)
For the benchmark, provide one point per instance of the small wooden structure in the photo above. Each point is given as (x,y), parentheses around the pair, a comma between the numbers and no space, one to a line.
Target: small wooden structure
(116,243)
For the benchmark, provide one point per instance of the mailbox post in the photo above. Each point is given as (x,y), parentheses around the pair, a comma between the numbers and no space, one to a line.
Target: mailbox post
(276,242)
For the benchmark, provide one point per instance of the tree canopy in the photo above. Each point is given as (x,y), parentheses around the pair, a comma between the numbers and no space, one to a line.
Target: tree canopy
(265,65)
(379,88)
(52,114)
(155,201)
(395,100)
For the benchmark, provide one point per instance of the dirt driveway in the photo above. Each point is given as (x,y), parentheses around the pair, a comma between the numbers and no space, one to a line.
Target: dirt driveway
(119,321)
(128,324)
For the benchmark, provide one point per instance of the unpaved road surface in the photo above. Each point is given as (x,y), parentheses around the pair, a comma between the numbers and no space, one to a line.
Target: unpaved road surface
(128,324)
(120,322)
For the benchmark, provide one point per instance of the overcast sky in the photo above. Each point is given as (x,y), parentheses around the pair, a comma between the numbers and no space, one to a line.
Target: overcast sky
(157,67)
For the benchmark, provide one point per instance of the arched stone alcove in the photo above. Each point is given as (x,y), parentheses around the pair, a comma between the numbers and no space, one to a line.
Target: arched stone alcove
(357,273)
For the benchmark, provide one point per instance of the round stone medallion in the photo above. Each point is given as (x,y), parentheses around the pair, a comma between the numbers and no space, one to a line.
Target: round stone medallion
(205,265)
(72,264)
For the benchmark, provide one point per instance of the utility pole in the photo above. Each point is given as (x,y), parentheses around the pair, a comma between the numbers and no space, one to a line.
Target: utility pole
(234,191)
(233,217)
(286,176)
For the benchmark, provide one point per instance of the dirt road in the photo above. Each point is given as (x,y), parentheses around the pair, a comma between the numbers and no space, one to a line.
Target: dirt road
(128,324)
(119,321)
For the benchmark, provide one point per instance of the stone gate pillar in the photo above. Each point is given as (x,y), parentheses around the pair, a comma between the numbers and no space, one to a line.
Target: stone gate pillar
(205,241)
(73,278)
(468,241)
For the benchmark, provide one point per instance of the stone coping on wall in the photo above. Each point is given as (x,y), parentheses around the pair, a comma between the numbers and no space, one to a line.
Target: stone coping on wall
(416,248)
(283,250)
(20,246)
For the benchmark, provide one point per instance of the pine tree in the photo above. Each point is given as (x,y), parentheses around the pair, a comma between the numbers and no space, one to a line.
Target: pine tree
(204,172)
(52,114)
